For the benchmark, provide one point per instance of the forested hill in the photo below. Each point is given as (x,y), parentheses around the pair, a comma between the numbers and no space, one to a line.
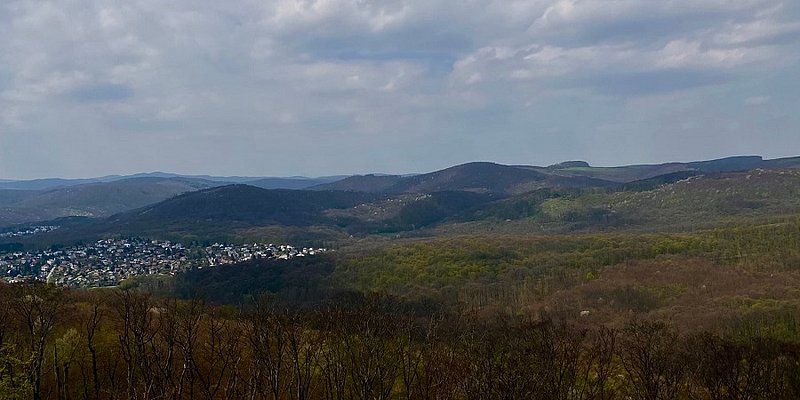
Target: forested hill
(104,196)
(671,202)
(99,199)
(244,203)
(466,199)
(490,177)
(630,173)
(482,177)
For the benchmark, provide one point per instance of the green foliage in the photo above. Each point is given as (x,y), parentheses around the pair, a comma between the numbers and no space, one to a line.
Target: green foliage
(655,182)
(506,267)
(528,205)
(437,207)
(454,262)
(300,281)
(14,384)
(772,320)
(643,298)
(662,203)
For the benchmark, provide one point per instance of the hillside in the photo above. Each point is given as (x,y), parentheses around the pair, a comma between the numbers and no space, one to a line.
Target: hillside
(476,177)
(243,204)
(44,184)
(92,199)
(465,199)
(10,197)
(630,173)
(486,177)
(704,199)
(694,201)
(296,183)
(481,177)
(363,183)
(671,202)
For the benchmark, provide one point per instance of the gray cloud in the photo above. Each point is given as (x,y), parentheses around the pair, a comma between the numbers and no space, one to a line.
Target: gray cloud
(101,92)
(655,82)
(316,87)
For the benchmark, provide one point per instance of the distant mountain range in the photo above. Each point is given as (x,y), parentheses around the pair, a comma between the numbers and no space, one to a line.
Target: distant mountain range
(572,193)
(483,177)
(295,182)
(46,199)
(490,177)
(244,204)
(632,173)
(96,199)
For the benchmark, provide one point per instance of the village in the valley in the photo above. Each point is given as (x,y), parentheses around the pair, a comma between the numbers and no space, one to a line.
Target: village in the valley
(110,261)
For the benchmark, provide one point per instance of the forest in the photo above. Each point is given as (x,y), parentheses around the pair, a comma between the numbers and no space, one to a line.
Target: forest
(700,315)
(127,344)
(686,291)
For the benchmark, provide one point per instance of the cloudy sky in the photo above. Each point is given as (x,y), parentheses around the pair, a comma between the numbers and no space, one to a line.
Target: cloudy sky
(304,87)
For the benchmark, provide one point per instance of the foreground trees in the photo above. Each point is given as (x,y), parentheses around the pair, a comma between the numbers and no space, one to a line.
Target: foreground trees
(123,344)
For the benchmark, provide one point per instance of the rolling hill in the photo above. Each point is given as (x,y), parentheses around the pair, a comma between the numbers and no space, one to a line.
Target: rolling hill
(630,173)
(481,177)
(93,199)
(486,177)
(468,198)
(672,202)
(221,213)
(45,184)
(10,197)
(295,182)
(243,204)
(371,183)
(675,201)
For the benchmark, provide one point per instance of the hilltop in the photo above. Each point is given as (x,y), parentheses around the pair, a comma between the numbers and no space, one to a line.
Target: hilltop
(661,203)
(46,199)
(245,203)
(471,198)
(490,177)
(483,177)
(99,199)
(630,173)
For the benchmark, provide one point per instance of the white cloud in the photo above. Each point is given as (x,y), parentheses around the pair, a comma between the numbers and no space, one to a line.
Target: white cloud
(345,72)
(757,100)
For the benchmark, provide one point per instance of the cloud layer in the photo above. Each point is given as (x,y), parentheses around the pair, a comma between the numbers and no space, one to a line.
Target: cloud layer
(321,87)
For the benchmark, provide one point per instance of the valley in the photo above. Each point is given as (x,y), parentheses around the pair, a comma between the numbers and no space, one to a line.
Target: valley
(434,279)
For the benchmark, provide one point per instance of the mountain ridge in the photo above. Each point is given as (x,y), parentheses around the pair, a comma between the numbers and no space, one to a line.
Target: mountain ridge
(496,181)
(522,178)
(268,182)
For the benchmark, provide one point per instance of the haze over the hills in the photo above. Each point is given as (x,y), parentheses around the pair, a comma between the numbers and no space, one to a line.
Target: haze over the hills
(462,198)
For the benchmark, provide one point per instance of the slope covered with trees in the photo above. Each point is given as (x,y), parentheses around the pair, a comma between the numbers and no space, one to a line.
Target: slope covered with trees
(128,344)
(678,286)
(100,199)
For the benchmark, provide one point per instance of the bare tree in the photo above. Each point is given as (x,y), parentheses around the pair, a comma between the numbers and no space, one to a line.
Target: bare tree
(218,360)
(137,334)
(65,350)
(650,355)
(39,306)
(371,355)
(186,318)
(91,326)
(304,347)
(268,340)
(598,366)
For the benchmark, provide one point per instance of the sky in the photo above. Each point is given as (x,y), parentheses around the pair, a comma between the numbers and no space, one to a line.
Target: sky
(328,87)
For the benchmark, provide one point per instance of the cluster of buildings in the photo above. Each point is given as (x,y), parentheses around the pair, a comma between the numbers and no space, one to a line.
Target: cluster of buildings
(108,262)
(220,254)
(28,231)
